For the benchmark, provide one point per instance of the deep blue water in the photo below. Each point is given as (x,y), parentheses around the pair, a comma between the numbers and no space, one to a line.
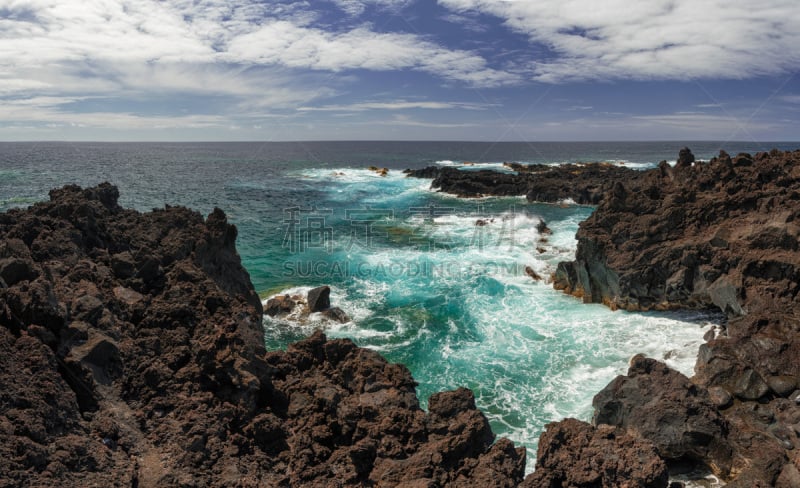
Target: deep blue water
(423,284)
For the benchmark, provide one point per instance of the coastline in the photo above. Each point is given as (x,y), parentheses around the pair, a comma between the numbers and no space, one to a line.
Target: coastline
(710,442)
(719,234)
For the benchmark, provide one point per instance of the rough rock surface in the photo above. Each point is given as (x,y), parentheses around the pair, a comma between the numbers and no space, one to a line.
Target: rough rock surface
(718,234)
(583,183)
(133,356)
(721,234)
(575,454)
(664,407)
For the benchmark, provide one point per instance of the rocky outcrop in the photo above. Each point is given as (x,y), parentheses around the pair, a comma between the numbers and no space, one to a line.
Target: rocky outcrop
(719,234)
(666,408)
(582,183)
(575,454)
(133,356)
(296,308)
(722,235)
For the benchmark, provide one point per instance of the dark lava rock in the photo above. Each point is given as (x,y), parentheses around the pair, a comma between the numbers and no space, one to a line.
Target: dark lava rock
(533,274)
(133,355)
(720,397)
(281,304)
(685,158)
(583,183)
(337,314)
(782,385)
(575,454)
(664,407)
(724,235)
(750,386)
(694,239)
(319,299)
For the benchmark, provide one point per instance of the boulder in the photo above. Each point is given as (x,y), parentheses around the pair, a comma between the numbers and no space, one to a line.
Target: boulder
(667,409)
(279,305)
(336,314)
(782,385)
(14,270)
(576,454)
(685,158)
(750,386)
(319,299)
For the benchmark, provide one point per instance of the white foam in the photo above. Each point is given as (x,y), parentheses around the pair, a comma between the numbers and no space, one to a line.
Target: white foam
(469,165)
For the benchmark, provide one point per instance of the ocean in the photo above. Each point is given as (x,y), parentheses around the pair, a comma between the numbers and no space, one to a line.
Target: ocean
(423,284)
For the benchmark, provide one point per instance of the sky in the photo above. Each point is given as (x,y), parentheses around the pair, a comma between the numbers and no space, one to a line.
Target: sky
(484,70)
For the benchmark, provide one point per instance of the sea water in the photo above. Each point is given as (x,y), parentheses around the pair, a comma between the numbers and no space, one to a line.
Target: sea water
(422,283)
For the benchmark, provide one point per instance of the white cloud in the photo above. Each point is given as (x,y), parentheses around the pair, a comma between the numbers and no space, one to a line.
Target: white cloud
(404,120)
(694,123)
(659,39)
(284,43)
(396,105)
(357,7)
(262,56)
(81,36)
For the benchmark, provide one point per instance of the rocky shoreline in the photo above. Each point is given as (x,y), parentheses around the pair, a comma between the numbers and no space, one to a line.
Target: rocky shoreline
(134,356)
(134,352)
(584,184)
(718,234)
(700,235)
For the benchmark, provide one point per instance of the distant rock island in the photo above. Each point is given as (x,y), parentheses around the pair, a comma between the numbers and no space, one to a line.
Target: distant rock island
(133,351)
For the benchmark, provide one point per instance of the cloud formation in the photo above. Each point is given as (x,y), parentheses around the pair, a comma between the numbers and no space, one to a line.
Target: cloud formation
(396,105)
(659,39)
(261,56)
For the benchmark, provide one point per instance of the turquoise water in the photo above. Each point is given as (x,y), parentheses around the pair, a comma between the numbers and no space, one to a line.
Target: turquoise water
(451,300)
(422,283)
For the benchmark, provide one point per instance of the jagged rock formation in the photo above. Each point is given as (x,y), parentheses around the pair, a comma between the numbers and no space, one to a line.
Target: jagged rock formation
(583,183)
(724,235)
(133,356)
(717,234)
(576,454)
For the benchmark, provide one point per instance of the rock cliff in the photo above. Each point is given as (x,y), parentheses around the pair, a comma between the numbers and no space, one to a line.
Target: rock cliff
(721,234)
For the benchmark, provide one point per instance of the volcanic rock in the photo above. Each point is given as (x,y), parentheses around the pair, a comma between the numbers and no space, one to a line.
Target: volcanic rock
(722,235)
(319,299)
(582,183)
(573,453)
(133,355)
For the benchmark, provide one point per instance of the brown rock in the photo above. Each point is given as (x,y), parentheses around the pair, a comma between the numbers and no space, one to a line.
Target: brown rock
(278,305)
(664,407)
(148,368)
(319,299)
(573,453)
(782,385)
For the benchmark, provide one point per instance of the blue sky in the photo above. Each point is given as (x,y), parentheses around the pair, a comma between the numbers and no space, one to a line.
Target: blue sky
(489,70)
